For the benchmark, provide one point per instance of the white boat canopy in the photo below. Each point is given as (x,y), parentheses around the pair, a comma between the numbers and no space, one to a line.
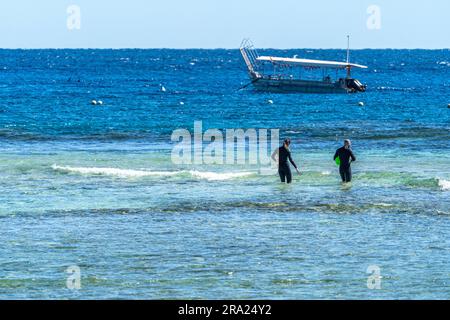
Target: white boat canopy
(311,63)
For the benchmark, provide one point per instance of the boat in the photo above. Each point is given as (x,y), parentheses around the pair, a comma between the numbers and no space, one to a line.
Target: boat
(295,75)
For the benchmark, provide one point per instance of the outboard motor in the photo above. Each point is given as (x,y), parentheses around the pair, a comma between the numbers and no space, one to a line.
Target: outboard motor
(355,85)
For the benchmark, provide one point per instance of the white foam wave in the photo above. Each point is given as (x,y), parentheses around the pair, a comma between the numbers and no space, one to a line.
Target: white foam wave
(124,173)
(395,89)
(382,204)
(214,176)
(444,184)
(130,173)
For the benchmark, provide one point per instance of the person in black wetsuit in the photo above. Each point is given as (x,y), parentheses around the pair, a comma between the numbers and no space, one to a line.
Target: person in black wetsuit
(346,156)
(284,154)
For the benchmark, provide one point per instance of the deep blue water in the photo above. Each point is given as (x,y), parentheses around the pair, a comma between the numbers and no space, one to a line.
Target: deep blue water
(95,187)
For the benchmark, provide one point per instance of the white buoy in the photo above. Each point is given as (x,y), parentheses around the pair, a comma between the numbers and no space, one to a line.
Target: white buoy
(448,106)
(181,103)
(270,101)
(361,104)
(100,102)
(163,89)
(94,102)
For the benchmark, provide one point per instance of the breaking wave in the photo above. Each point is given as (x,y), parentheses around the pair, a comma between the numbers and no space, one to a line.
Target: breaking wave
(130,173)
(444,184)
(213,176)
(123,173)
(383,178)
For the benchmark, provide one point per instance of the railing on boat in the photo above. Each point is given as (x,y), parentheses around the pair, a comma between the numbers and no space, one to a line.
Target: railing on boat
(250,55)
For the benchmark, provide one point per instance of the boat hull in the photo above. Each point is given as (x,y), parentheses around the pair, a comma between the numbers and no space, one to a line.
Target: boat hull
(298,86)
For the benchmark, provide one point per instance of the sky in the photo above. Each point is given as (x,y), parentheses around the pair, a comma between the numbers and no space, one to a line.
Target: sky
(224,23)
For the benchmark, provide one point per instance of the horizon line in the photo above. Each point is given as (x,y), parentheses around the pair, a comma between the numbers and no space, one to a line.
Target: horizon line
(208,48)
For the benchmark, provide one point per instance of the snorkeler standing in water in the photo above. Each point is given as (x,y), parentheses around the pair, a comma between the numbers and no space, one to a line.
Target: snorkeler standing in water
(344,157)
(284,155)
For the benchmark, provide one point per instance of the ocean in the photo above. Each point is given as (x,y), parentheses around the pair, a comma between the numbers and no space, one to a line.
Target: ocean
(93,188)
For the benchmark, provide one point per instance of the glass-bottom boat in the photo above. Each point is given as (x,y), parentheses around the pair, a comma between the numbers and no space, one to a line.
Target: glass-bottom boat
(292,75)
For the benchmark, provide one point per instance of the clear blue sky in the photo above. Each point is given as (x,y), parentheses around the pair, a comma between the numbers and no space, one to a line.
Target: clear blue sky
(223,24)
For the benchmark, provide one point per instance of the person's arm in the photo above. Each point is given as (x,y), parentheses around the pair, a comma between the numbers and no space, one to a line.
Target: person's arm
(352,155)
(336,155)
(275,155)
(293,163)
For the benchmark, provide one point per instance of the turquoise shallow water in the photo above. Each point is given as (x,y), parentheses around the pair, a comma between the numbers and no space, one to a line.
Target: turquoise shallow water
(95,187)
(185,236)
